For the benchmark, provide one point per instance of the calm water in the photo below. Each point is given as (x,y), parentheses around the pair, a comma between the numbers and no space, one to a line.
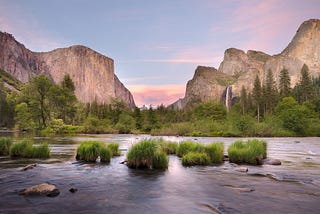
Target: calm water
(293,187)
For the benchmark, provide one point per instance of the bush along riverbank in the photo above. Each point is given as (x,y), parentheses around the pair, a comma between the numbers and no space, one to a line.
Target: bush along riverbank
(26,149)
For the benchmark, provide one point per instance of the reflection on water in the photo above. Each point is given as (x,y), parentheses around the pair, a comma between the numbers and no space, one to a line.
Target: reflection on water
(293,187)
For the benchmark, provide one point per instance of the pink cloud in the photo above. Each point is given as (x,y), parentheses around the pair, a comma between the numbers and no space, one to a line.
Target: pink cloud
(156,94)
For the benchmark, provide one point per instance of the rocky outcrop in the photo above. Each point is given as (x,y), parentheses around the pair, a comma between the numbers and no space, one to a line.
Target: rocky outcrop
(240,69)
(91,72)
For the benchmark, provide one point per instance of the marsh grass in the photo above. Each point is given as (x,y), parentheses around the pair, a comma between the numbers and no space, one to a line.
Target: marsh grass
(147,154)
(5,144)
(90,150)
(114,148)
(168,147)
(196,158)
(215,152)
(26,149)
(249,152)
(189,146)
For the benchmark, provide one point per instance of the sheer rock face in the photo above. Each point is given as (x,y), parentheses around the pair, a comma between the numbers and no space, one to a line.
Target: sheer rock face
(91,72)
(240,69)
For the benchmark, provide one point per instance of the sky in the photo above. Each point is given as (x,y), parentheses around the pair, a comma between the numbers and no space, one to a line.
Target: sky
(157,45)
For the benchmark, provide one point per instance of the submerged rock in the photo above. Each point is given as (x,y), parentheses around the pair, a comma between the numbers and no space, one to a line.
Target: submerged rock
(241,189)
(30,166)
(43,189)
(275,162)
(241,169)
(73,190)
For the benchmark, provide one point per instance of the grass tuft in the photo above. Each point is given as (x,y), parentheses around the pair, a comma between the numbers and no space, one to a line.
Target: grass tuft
(250,152)
(5,144)
(90,150)
(215,152)
(114,148)
(189,146)
(26,149)
(147,154)
(196,158)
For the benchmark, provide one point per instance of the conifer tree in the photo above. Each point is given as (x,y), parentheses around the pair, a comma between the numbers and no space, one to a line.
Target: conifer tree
(256,96)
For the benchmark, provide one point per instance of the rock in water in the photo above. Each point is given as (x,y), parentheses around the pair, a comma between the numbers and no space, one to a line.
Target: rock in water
(272,162)
(73,190)
(30,166)
(43,189)
(241,169)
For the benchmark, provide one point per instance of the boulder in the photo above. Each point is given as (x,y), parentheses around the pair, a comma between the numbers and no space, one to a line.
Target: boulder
(43,189)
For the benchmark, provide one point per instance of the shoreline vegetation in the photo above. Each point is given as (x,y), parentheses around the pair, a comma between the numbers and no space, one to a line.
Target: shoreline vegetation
(45,108)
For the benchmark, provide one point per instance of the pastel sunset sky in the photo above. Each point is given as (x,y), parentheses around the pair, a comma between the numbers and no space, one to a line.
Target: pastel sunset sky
(157,45)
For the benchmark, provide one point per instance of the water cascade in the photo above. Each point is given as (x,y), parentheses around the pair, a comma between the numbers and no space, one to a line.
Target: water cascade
(228,98)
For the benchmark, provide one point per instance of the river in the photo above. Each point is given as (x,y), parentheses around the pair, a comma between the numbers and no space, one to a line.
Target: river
(293,187)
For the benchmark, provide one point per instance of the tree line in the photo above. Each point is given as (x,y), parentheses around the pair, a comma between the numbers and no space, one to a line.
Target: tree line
(268,110)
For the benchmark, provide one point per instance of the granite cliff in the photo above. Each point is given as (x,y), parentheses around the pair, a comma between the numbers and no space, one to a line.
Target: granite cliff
(91,72)
(240,69)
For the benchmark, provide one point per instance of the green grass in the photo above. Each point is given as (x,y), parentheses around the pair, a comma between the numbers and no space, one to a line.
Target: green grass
(215,152)
(5,144)
(147,154)
(90,150)
(160,160)
(248,152)
(189,146)
(26,149)
(114,148)
(196,158)
(168,147)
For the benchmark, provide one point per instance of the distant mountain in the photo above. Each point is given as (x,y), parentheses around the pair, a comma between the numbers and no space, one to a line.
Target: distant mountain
(240,69)
(91,72)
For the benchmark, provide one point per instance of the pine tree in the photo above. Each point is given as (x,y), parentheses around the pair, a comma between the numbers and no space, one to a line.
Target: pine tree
(256,95)
(269,93)
(284,83)
(306,87)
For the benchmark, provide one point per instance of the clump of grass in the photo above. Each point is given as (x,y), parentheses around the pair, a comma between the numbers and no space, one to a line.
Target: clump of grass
(147,154)
(250,152)
(215,152)
(168,147)
(196,158)
(160,160)
(5,144)
(26,149)
(114,148)
(90,150)
(189,146)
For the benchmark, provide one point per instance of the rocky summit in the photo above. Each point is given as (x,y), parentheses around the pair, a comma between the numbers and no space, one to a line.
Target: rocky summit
(240,68)
(92,73)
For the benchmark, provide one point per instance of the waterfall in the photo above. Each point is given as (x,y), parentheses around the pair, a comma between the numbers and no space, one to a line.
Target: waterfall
(228,97)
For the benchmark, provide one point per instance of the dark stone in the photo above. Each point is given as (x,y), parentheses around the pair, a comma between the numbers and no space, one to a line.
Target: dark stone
(73,190)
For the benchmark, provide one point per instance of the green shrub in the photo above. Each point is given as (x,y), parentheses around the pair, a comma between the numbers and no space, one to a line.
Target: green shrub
(196,158)
(114,148)
(215,152)
(250,152)
(147,154)
(5,144)
(189,146)
(26,149)
(90,150)
(169,147)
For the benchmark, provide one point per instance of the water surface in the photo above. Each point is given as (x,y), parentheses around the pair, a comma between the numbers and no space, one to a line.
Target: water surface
(293,187)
